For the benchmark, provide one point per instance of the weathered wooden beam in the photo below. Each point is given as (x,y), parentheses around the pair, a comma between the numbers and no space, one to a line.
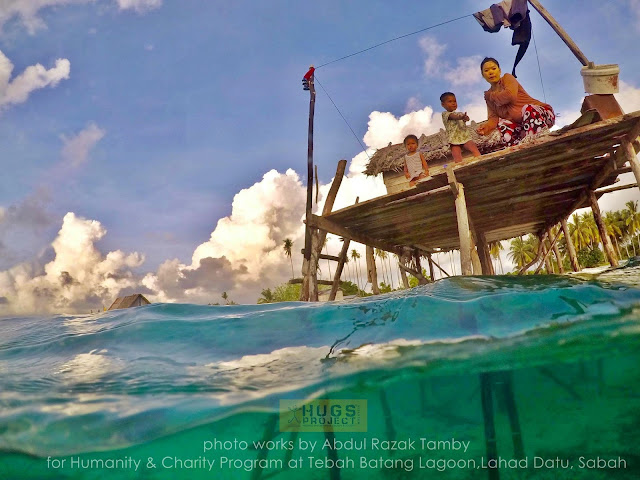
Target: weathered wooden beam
(372,271)
(475,257)
(309,291)
(462,215)
(463,232)
(546,251)
(556,252)
(323,256)
(611,166)
(544,13)
(431,270)
(535,260)
(543,238)
(451,179)
(342,258)
(615,189)
(441,269)
(295,281)
(405,269)
(629,154)
(484,254)
(634,133)
(403,273)
(602,228)
(571,250)
(332,227)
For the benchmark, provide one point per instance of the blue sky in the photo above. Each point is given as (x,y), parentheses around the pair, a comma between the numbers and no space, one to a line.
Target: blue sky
(155,122)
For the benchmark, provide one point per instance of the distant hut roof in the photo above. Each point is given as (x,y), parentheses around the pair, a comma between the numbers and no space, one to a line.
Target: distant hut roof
(135,300)
(436,146)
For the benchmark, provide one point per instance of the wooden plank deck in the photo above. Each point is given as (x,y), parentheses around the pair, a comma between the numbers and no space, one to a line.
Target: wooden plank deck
(511,192)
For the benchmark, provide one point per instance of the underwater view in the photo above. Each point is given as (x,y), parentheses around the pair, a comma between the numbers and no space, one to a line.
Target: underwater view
(468,377)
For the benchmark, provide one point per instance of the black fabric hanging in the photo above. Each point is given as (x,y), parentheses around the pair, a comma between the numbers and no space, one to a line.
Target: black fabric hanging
(522,37)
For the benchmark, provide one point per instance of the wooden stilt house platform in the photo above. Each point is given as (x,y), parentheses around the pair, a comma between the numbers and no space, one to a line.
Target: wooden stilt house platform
(516,191)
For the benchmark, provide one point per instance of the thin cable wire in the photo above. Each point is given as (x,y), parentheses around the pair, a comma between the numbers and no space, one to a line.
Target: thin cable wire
(343,118)
(392,40)
(539,69)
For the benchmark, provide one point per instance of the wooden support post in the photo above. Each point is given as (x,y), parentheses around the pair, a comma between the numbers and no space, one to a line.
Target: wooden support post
(560,31)
(602,228)
(308,234)
(546,251)
(535,260)
(476,264)
(629,154)
(485,255)
(571,250)
(556,252)
(403,273)
(463,232)
(431,269)
(440,268)
(457,189)
(342,258)
(372,272)
(313,250)
(313,265)
(486,396)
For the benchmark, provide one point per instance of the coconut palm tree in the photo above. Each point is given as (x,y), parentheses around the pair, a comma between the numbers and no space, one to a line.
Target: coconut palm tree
(522,251)
(613,222)
(580,232)
(390,269)
(632,220)
(266,296)
(381,254)
(287,247)
(355,256)
(494,251)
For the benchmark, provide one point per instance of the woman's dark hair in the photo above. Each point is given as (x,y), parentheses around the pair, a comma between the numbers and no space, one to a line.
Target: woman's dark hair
(408,137)
(488,59)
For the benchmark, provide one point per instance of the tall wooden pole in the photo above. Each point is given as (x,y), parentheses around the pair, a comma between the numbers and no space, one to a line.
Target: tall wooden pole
(571,250)
(560,31)
(372,272)
(556,252)
(308,230)
(629,153)
(432,273)
(602,228)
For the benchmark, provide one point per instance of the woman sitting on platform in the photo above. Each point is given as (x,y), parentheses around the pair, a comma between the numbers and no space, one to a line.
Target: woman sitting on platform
(510,108)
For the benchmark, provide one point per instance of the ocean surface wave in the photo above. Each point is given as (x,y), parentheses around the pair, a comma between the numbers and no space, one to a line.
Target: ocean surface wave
(69,383)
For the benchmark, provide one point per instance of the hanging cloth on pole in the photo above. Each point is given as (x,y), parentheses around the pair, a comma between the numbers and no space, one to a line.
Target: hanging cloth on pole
(512,14)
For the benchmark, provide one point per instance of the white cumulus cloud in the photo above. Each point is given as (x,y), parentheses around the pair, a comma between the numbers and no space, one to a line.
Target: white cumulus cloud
(76,149)
(244,252)
(33,78)
(466,71)
(78,278)
(384,127)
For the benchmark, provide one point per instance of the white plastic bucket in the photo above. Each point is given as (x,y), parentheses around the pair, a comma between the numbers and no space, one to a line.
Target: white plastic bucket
(600,79)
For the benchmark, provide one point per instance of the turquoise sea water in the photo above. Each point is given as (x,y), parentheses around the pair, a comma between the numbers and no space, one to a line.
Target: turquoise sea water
(173,391)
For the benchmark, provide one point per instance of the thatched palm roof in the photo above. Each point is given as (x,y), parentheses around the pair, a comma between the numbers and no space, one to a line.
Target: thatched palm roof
(436,146)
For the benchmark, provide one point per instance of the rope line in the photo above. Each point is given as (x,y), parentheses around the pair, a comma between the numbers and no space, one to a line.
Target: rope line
(539,69)
(343,117)
(393,40)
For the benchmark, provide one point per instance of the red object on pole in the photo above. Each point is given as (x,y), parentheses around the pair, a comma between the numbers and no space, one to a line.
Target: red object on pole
(309,74)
